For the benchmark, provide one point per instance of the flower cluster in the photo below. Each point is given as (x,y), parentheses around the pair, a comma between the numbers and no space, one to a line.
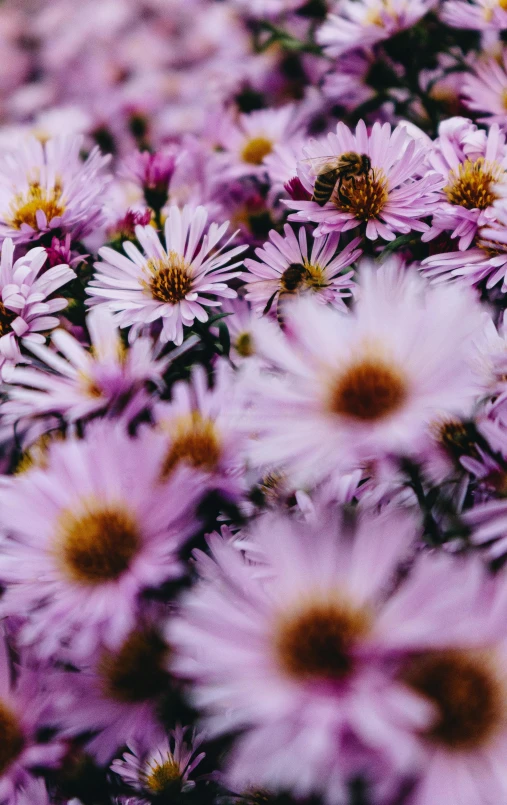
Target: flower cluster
(253,402)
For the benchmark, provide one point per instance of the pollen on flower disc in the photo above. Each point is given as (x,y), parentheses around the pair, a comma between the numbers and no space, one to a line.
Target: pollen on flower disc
(136,672)
(25,206)
(363,197)
(195,442)
(256,149)
(164,778)
(170,280)
(471,185)
(11,737)
(317,641)
(98,544)
(368,390)
(468,695)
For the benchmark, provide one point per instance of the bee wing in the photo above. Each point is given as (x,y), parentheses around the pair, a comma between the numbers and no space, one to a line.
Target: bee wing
(320,164)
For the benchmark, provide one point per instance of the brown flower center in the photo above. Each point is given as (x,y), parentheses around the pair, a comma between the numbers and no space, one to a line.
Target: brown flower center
(467,693)
(256,149)
(24,207)
(471,185)
(170,280)
(370,389)
(164,778)
(317,642)
(363,196)
(195,442)
(11,738)
(6,319)
(98,544)
(136,673)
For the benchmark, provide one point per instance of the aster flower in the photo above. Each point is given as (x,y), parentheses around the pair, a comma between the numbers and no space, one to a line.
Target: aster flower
(88,532)
(252,138)
(389,198)
(25,309)
(203,429)
(474,168)
(84,381)
(485,89)
(286,266)
(364,23)
(477,15)
(291,648)
(48,187)
(358,387)
(118,691)
(174,284)
(165,770)
(241,323)
(25,709)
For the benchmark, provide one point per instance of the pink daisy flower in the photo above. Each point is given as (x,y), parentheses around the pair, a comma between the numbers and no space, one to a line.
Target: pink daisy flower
(485,89)
(25,309)
(241,325)
(48,187)
(362,386)
(293,648)
(118,693)
(253,137)
(88,532)
(389,198)
(203,428)
(83,381)
(287,267)
(173,285)
(363,23)
(25,708)
(165,770)
(477,15)
(473,167)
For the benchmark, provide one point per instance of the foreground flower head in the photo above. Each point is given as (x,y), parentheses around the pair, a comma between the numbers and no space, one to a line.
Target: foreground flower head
(478,15)
(292,645)
(173,285)
(97,525)
(288,267)
(386,196)
(362,386)
(25,307)
(48,187)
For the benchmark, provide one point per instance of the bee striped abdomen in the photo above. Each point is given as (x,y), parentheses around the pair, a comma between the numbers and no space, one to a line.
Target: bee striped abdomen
(324,186)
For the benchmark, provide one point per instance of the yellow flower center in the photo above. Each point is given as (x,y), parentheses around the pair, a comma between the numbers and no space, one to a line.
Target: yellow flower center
(195,441)
(98,544)
(11,737)
(170,279)
(299,275)
(469,697)
(471,185)
(256,149)
(25,205)
(164,778)
(369,389)
(136,672)
(363,196)
(318,640)
(6,319)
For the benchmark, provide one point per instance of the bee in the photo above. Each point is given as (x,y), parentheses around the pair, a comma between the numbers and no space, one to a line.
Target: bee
(331,170)
(294,276)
